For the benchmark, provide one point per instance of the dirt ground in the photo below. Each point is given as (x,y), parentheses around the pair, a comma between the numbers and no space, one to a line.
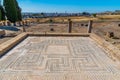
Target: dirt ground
(102,28)
(57,28)
(99,27)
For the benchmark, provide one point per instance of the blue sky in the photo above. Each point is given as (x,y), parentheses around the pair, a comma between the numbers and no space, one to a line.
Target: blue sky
(69,5)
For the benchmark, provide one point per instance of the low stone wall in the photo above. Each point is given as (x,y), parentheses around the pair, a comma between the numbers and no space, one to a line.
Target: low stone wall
(113,52)
(59,34)
(4,47)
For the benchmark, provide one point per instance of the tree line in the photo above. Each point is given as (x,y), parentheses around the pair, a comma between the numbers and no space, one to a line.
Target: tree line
(11,11)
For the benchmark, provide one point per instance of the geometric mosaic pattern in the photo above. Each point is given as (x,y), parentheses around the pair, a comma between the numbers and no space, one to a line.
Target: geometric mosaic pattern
(58,58)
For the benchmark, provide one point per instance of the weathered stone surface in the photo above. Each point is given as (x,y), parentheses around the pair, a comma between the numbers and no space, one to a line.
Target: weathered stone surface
(58,58)
(69,26)
(11,43)
(90,26)
(112,51)
(2,33)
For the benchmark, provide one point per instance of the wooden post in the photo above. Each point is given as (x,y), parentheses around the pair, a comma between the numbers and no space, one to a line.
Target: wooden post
(69,26)
(90,26)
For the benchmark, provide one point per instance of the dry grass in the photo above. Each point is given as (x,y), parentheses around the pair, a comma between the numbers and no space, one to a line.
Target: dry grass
(109,16)
(100,28)
(63,19)
(77,19)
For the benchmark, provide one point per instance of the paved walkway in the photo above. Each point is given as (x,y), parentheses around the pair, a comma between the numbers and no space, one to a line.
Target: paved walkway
(58,58)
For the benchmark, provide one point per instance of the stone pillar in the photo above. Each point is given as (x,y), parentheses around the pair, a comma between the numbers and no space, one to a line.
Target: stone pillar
(26,23)
(2,33)
(17,24)
(20,23)
(4,24)
(24,30)
(23,25)
(69,26)
(8,23)
(12,24)
(90,26)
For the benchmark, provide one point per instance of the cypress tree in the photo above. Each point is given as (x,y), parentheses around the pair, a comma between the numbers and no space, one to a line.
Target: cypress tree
(2,13)
(19,15)
(13,11)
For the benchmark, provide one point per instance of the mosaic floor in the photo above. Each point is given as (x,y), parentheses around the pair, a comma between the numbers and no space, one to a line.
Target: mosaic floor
(58,58)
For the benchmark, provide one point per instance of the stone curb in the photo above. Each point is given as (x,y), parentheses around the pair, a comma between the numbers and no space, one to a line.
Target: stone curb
(4,47)
(59,34)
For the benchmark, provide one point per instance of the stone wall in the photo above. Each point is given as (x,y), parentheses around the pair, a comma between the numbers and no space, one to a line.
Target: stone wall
(59,34)
(4,47)
(2,33)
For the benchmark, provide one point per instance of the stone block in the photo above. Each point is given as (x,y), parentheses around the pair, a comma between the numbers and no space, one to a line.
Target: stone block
(2,33)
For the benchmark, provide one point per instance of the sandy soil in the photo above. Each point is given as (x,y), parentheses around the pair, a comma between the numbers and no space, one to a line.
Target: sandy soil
(99,27)
(58,28)
(112,26)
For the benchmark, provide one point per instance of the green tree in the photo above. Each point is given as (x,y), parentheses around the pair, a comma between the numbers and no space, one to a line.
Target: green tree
(13,11)
(42,14)
(19,15)
(2,13)
(94,15)
(50,20)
